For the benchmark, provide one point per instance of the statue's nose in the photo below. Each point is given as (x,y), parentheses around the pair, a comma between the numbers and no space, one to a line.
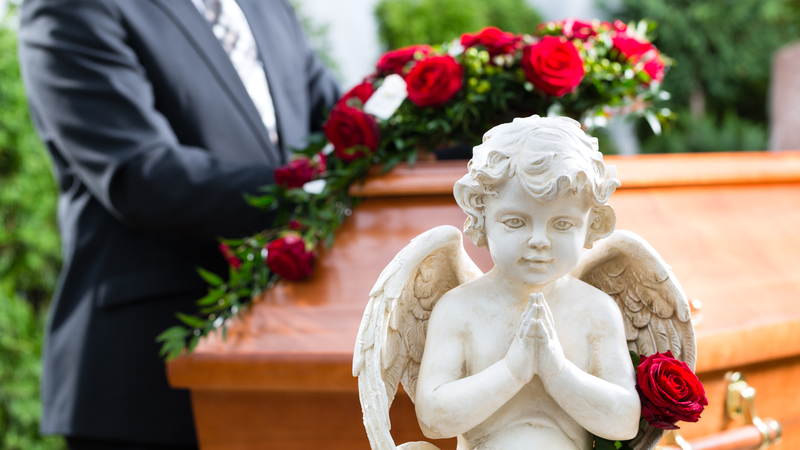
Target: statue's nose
(539,238)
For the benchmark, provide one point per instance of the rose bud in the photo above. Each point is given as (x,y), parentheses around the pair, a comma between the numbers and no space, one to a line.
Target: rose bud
(353,133)
(553,65)
(631,48)
(322,162)
(362,92)
(434,80)
(496,41)
(296,173)
(669,391)
(226,251)
(654,67)
(394,61)
(288,257)
(578,29)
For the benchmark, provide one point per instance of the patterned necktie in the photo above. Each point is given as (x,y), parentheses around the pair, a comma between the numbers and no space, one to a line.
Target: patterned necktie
(231,28)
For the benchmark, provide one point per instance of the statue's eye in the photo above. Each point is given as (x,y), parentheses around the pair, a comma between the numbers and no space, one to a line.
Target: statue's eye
(562,225)
(514,222)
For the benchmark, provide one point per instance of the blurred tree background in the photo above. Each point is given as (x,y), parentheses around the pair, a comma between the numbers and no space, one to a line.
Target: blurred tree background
(722,51)
(720,80)
(30,256)
(407,22)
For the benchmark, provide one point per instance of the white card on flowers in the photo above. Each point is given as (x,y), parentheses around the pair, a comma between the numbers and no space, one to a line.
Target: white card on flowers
(385,101)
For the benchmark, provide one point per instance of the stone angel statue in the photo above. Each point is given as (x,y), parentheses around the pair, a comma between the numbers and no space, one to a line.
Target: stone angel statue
(535,352)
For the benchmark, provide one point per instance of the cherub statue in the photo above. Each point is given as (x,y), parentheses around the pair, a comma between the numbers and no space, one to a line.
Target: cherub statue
(535,352)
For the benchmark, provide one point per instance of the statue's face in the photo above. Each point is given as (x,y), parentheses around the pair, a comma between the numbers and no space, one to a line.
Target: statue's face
(532,241)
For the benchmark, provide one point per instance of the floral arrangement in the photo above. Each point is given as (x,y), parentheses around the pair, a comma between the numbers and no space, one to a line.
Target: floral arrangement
(669,392)
(420,99)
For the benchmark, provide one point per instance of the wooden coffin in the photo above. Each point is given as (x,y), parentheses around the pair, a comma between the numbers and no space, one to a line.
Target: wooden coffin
(729,224)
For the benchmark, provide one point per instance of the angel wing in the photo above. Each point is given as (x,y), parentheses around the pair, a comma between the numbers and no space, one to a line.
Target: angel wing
(391,337)
(653,305)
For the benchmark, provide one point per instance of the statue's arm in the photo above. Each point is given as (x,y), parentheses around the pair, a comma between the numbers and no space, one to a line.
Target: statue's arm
(449,403)
(604,401)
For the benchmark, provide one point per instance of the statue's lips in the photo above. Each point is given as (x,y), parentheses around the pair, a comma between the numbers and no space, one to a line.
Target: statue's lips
(535,261)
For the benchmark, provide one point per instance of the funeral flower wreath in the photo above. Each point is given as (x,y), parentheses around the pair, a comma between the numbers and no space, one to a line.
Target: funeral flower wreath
(419,99)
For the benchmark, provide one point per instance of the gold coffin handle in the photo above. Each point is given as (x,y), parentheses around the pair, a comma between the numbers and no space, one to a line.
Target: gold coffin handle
(756,434)
(740,401)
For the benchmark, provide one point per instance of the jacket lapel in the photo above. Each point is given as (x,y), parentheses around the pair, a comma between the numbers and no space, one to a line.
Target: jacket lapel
(198,32)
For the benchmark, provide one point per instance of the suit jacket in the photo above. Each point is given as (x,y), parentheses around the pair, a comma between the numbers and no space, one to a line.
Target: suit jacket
(154,139)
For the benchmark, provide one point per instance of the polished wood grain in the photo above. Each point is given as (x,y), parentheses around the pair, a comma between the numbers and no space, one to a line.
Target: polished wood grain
(725,244)
(682,169)
(731,236)
(248,420)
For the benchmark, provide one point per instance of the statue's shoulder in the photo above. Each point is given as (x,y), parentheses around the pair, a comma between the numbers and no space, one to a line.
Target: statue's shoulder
(462,302)
(593,302)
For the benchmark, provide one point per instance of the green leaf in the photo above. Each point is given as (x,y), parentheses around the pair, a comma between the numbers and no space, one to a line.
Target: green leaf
(193,343)
(211,278)
(635,359)
(605,444)
(263,201)
(652,120)
(192,321)
(211,298)
(173,332)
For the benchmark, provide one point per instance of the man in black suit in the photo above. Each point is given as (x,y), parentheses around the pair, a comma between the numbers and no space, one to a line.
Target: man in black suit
(155,131)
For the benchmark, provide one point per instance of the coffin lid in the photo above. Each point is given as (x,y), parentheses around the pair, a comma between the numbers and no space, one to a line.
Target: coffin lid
(728,223)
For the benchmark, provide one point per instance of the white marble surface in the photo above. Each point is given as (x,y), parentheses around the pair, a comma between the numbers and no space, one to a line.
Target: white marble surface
(535,351)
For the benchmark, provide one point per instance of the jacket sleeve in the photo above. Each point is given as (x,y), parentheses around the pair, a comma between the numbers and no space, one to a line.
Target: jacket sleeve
(95,105)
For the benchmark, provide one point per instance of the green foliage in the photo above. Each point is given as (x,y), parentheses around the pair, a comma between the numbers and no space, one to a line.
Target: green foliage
(723,49)
(317,34)
(605,444)
(709,134)
(722,52)
(490,91)
(29,259)
(318,217)
(20,368)
(407,22)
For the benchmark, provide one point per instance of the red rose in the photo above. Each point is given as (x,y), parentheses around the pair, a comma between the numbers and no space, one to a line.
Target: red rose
(496,41)
(295,225)
(630,47)
(296,173)
(636,51)
(352,132)
(654,66)
(322,162)
(553,65)
(362,92)
(288,257)
(226,251)
(669,391)
(434,80)
(394,61)
(578,29)
(618,25)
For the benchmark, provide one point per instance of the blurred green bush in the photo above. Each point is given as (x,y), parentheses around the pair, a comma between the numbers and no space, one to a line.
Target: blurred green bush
(30,258)
(722,51)
(407,22)
(707,134)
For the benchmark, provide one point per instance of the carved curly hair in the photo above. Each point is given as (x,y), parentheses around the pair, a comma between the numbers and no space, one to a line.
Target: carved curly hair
(551,155)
